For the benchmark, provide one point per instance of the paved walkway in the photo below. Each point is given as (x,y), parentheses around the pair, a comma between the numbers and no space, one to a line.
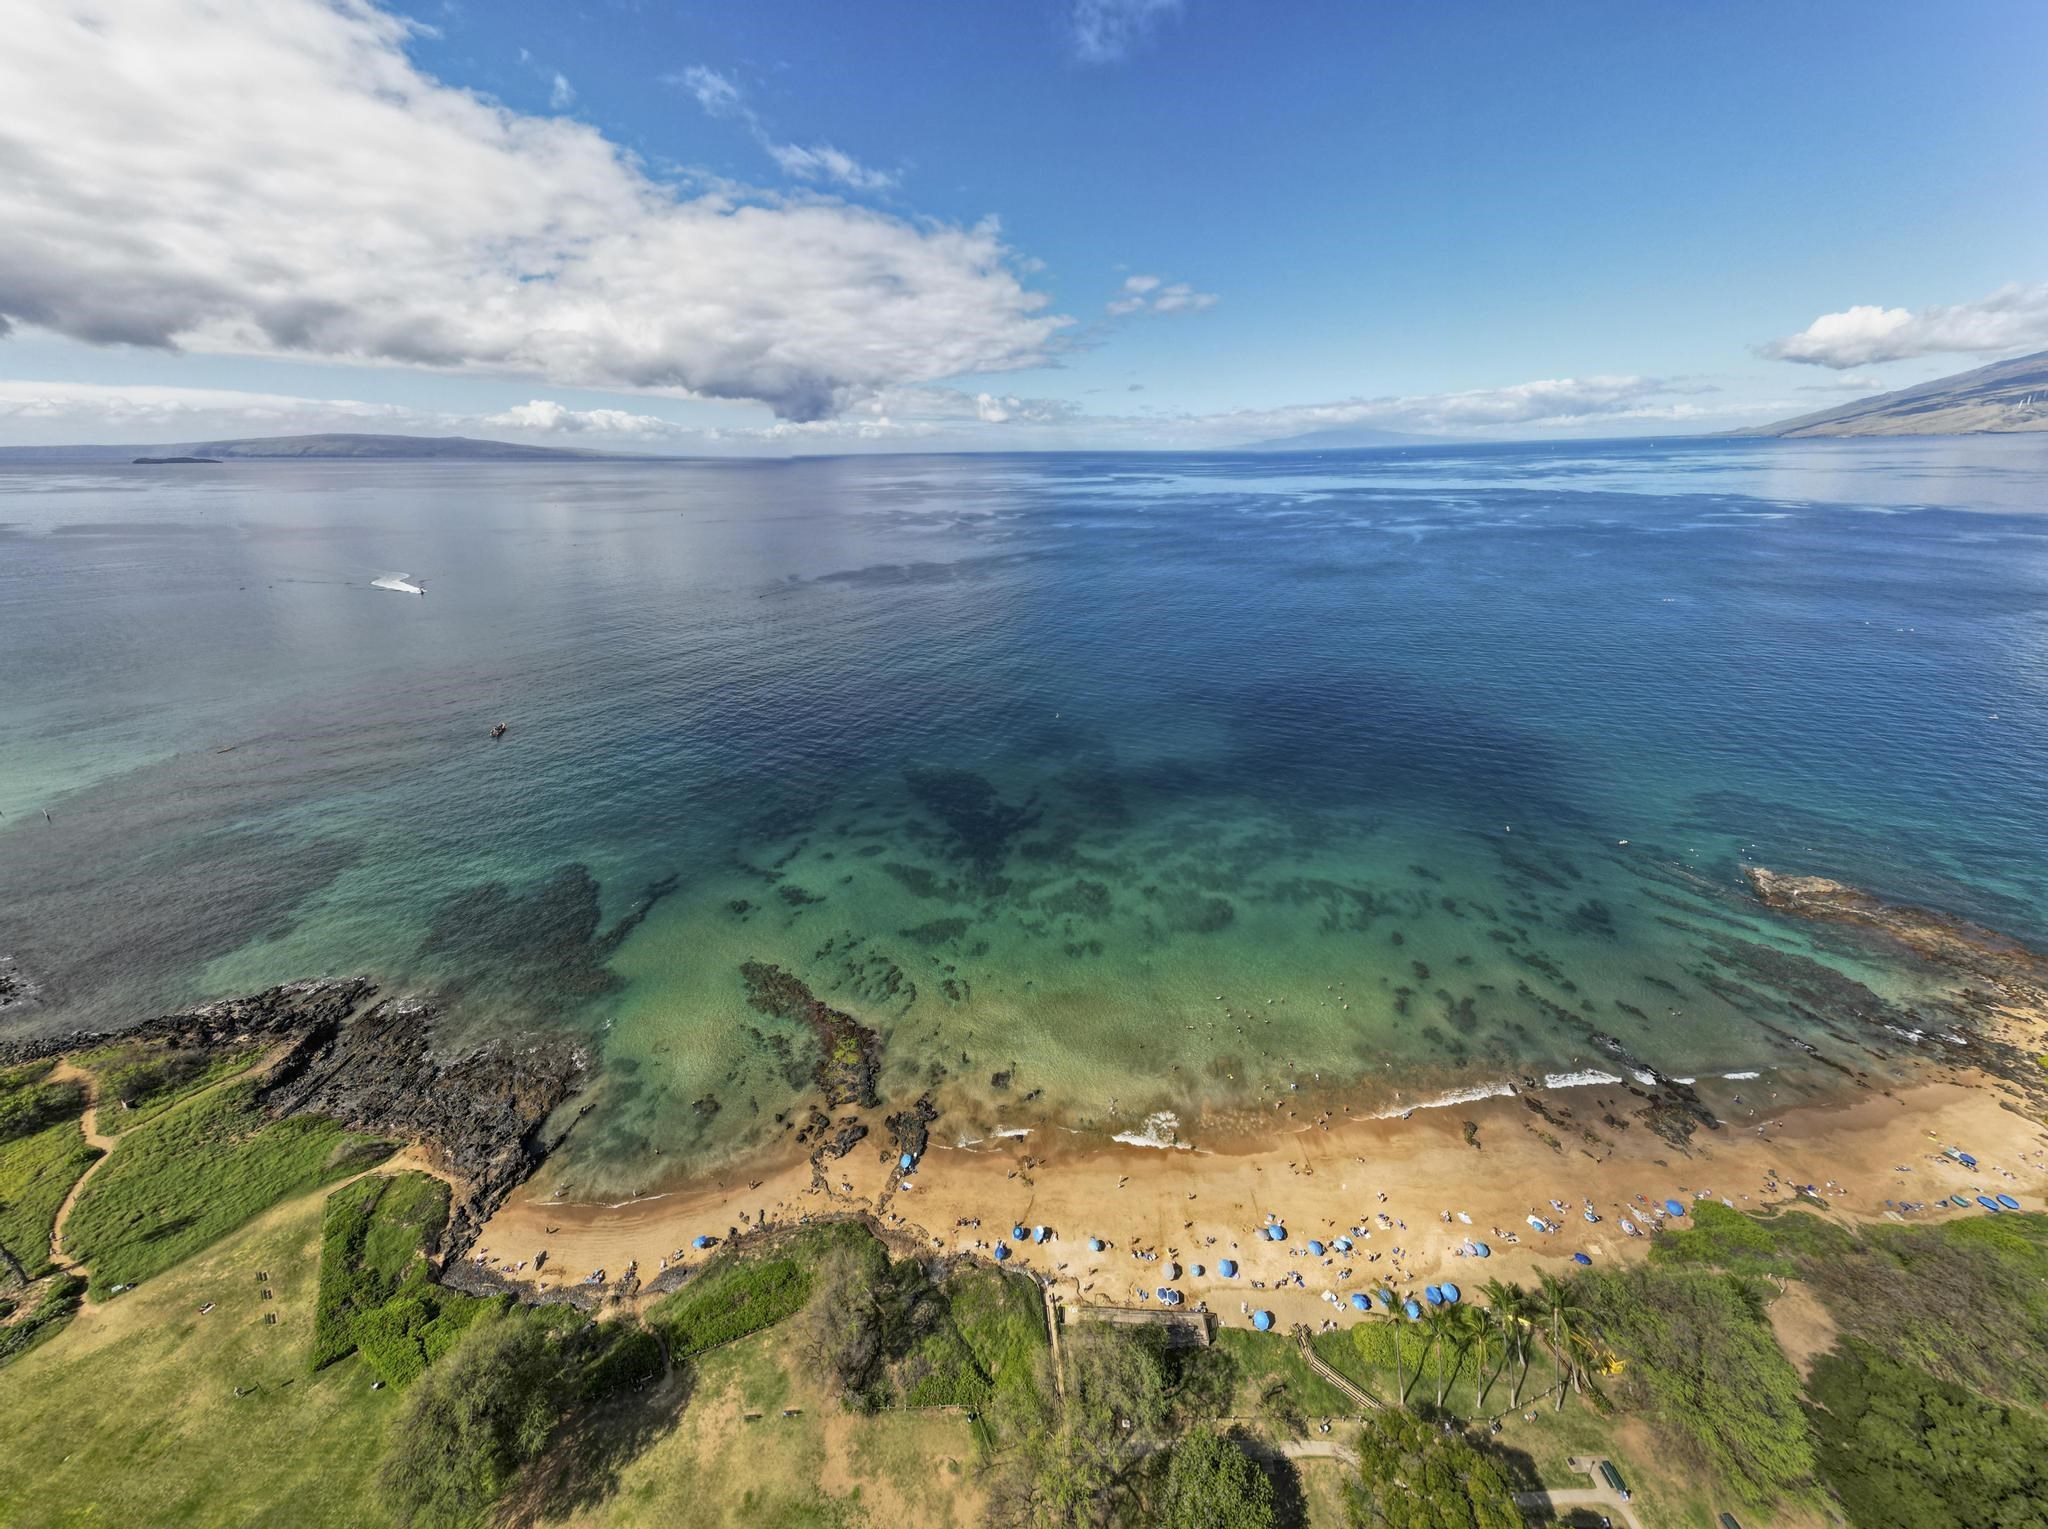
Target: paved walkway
(1599,1497)
(1304,1340)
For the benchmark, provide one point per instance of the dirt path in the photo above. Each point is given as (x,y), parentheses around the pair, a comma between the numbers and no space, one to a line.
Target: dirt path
(65,1072)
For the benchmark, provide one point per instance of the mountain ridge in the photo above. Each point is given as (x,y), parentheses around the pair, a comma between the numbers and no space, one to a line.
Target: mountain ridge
(2004,398)
(330,446)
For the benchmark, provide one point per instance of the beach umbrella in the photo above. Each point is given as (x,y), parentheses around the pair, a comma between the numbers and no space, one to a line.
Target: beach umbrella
(1674,1207)
(1482,1250)
(1196,1271)
(1580,1258)
(1040,1233)
(907,1162)
(1263,1321)
(1988,1203)
(1342,1244)
(1001,1252)
(1227,1268)
(1450,1292)
(1095,1244)
(1172,1298)
(1360,1301)
(1173,1271)
(700,1241)
(1433,1294)
(1018,1231)
(2008,1202)
(1414,1311)
(1385,1297)
(1276,1233)
(1315,1247)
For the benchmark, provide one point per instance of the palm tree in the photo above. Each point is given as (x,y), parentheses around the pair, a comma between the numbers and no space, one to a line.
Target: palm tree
(1564,1316)
(1510,1307)
(1400,1386)
(1476,1328)
(1440,1327)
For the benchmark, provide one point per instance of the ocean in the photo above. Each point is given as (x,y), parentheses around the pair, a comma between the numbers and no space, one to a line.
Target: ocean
(1106,788)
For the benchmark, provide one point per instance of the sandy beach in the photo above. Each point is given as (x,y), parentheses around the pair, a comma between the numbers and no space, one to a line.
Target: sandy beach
(1389,1185)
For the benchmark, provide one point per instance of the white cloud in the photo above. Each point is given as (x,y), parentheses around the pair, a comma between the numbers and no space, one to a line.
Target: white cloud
(545,416)
(823,162)
(1103,31)
(276,177)
(1150,294)
(2012,319)
(561,94)
(721,97)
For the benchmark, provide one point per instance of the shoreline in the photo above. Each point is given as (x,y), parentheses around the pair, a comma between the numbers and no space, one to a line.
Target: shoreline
(1200,1206)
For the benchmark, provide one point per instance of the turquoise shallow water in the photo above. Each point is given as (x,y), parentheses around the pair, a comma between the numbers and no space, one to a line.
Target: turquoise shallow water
(1147,782)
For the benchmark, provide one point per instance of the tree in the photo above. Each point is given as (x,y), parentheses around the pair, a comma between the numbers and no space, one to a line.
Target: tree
(1564,1320)
(845,1328)
(1213,1484)
(1475,1330)
(1513,1312)
(1439,1327)
(472,1421)
(1412,1475)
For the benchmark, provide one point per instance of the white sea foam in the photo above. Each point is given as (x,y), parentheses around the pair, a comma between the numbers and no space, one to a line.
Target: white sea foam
(1590,1078)
(398,583)
(1161,1130)
(1470,1095)
(1740,1077)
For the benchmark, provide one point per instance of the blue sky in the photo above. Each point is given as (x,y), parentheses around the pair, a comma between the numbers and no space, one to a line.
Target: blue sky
(1039,223)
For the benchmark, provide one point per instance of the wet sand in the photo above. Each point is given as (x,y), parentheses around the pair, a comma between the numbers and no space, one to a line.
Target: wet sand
(1152,1206)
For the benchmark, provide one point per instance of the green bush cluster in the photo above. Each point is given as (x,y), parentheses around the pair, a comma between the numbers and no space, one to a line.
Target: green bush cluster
(729,1301)
(1416,1476)
(400,1338)
(373,1231)
(29,1105)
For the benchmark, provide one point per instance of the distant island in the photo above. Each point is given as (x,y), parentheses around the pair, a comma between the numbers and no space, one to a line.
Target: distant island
(331,447)
(173,461)
(2003,398)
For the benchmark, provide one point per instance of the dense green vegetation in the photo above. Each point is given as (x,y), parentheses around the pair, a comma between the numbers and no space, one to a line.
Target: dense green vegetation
(1698,1355)
(373,1233)
(1213,1484)
(200,1171)
(473,1421)
(1903,1450)
(730,1299)
(1413,1475)
(28,1103)
(1964,1299)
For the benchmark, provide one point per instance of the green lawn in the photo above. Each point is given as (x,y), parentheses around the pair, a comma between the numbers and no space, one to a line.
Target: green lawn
(36,1173)
(137,1081)
(129,1417)
(203,1169)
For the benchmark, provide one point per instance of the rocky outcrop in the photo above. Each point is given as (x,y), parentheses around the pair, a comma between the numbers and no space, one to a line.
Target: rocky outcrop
(849,1053)
(233,1024)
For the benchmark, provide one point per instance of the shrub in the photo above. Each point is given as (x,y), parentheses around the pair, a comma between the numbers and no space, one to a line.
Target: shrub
(1212,1484)
(371,1234)
(53,1308)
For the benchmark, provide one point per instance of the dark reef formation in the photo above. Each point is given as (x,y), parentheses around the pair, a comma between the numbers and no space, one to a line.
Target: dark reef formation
(849,1053)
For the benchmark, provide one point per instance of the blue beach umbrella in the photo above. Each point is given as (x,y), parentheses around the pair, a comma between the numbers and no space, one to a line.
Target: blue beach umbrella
(1018,1232)
(1674,1207)
(1227,1268)
(1095,1244)
(1580,1258)
(1482,1250)
(1276,1233)
(1315,1247)
(1414,1311)
(1960,1200)
(1040,1233)
(1263,1321)
(1001,1252)
(1360,1301)
(906,1162)
(1342,1244)
(1196,1271)
(700,1241)
(1988,1203)
(1450,1292)
(1433,1294)
(2008,1202)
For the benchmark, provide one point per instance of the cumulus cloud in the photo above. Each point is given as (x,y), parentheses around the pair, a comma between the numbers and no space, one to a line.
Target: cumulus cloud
(2012,319)
(276,177)
(561,94)
(721,97)
(1104,31)
(1149,294)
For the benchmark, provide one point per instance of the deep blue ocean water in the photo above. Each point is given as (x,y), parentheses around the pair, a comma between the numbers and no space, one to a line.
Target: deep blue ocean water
(1154,782)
